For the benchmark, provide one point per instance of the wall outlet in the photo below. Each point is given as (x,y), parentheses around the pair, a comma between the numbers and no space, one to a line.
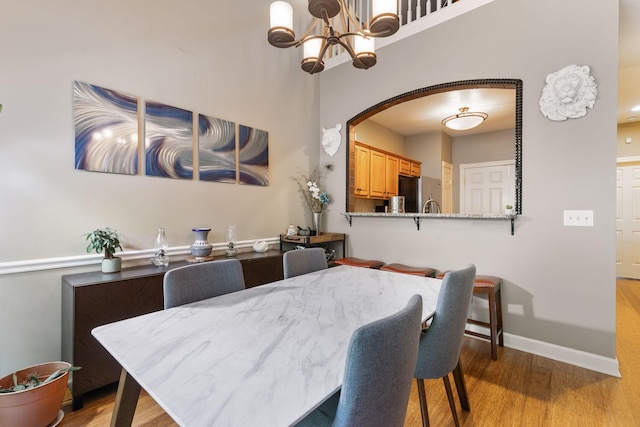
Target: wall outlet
(578,218)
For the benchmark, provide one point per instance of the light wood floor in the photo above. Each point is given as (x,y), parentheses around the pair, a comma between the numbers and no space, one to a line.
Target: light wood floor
(519,389)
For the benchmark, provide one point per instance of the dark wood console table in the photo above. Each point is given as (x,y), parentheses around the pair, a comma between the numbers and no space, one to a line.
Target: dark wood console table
(93,299)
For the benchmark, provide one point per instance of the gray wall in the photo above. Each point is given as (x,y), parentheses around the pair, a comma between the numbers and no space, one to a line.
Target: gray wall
(208,57)
(559,282)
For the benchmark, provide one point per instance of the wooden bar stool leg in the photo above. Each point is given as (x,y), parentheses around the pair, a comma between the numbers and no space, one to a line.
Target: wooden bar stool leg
(500,330)
(492,325)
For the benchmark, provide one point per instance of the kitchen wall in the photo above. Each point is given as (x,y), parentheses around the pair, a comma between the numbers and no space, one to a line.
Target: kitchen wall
(207,57)
(629,130)
(558,282)
(371,133)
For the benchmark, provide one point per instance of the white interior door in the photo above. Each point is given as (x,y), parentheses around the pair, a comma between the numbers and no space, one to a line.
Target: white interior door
(447,188)
(487,188)
(628,220)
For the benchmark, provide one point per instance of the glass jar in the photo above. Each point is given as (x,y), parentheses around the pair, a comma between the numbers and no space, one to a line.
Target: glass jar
(231,241)
(161,255)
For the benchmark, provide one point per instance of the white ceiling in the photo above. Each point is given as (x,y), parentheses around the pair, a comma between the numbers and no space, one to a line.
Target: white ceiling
(425,114)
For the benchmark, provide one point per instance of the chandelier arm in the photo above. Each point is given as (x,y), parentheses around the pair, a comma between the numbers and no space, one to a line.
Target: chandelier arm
(323,49)
(348,48)
(305,36)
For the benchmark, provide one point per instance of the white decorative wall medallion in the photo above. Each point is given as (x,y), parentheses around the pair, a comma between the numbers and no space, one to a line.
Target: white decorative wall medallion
(568,93)
(331,139)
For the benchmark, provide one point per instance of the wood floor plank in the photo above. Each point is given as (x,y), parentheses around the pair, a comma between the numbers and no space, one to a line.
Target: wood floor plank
(519,389)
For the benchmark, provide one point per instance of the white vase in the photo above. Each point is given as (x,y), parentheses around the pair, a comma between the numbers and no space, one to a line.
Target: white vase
(317,222)
(111,265)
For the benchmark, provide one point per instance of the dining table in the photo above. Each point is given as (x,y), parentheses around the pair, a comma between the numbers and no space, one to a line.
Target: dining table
(264,356)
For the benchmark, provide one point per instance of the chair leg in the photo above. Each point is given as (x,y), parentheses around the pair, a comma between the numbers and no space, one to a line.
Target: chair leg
(452,403)
(423,402)
(461,386)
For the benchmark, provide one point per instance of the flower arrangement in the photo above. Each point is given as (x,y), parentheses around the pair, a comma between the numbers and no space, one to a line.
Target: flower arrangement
(309,186)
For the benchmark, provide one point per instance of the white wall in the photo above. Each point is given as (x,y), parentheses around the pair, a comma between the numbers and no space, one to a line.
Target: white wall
(205,56)
(559,282)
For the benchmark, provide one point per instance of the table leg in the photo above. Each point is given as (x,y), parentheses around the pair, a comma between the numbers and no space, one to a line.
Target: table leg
(126,400)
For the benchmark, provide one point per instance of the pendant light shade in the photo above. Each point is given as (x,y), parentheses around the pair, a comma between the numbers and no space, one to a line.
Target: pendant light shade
(464,119)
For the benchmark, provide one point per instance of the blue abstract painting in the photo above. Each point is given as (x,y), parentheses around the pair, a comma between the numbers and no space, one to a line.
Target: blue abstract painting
(106,130)
(253,156)
(168,141)
(216,149)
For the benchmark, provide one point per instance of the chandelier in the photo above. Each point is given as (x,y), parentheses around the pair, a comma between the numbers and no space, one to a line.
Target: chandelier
(464,119)
(334,23)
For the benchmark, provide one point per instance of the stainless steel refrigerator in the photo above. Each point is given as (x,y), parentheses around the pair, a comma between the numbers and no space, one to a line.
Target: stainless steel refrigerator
(411,189)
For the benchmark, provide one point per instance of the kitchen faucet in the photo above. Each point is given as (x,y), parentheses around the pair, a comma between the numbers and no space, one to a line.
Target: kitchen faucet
(431,206)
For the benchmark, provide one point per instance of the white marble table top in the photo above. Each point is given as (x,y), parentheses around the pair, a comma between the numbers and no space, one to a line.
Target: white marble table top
(266,356)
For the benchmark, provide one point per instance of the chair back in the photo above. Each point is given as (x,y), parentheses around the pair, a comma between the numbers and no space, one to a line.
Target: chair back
(196,282)
(440,346)
(303,261)
(379,370)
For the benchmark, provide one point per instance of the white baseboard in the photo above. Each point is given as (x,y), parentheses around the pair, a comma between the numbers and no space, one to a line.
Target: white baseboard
(571,356)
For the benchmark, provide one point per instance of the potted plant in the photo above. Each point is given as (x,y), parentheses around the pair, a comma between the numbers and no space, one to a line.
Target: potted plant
(508,209)
(33,396)
(106,240)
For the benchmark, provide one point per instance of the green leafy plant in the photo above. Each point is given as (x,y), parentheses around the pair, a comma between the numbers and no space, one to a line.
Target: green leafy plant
(32,380)
(104,240)
(509,207)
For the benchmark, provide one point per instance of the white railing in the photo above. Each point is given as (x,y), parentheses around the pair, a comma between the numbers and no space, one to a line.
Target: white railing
(415,16)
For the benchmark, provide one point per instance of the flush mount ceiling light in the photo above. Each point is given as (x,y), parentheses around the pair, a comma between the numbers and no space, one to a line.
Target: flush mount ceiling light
(334,24)
(464,119)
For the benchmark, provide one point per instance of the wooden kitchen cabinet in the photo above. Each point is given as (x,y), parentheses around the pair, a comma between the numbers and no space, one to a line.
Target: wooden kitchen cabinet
(404,167)
(377,174)
(361,171)
(391,176)
(93,299)
(383,176)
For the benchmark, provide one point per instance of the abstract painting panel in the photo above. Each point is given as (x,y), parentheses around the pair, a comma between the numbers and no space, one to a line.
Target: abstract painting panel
(106,130)
(216,149)
(168,141)
(253,156)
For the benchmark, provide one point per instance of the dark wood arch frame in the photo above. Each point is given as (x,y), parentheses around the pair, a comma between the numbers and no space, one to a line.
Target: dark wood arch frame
(515,84)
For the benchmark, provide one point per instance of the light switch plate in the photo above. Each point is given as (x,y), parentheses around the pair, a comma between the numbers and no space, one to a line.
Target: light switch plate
(581,218)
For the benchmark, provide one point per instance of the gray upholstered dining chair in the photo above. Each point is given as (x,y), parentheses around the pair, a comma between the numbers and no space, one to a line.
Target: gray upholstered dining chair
(440,346)
(196,282)
(303,261)
(379,369)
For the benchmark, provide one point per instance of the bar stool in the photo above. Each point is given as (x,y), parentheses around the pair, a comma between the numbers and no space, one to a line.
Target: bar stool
(406,269)
(357,262)
(489,286)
